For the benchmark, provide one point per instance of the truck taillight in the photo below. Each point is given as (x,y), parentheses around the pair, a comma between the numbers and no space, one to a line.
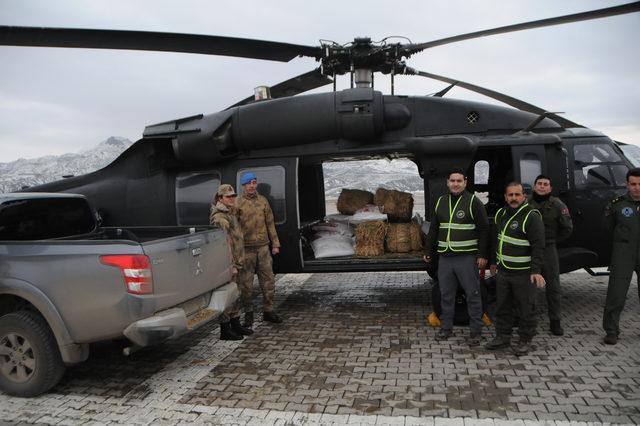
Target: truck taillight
(136,270)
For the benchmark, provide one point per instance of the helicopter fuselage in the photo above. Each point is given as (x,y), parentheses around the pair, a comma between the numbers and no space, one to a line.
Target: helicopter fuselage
(170,175)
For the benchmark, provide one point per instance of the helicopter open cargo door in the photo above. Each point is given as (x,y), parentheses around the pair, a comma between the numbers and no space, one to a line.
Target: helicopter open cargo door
(278,183)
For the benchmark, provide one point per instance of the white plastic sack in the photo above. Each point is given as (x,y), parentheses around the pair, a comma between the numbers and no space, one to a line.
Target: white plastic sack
(336,228)
(333,246)
(367,213)
(338,218)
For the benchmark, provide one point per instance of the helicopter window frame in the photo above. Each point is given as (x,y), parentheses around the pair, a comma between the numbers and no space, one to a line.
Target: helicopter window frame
(601,171)
(275,178)
(192,203)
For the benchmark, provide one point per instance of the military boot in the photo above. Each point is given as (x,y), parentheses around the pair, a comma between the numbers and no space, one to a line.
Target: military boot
(248,319)
(499,342)
(271,316)
(443,334)
(522,347)
(556,328)
(239,329)
(474,338)
(226,332)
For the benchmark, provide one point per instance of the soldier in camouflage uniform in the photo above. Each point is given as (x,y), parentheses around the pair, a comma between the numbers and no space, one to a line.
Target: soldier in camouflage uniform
(622,219)
(258,227)
(224,214)
(557,228)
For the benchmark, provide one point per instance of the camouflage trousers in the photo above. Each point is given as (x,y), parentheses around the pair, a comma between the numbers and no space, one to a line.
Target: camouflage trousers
(257,260)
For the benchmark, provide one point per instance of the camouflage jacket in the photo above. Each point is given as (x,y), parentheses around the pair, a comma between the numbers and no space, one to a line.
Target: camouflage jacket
(256,219)
(227,219)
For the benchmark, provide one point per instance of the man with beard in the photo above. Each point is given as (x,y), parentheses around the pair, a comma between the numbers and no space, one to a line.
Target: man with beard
(518,239)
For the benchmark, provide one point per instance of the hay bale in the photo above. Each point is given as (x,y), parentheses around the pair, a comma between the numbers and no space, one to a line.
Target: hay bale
(351,200)
(370,238)
(398,238)
(397,205)
(415,231)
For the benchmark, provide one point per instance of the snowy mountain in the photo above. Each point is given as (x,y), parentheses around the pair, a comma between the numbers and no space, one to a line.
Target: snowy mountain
(399,174)
(36,171)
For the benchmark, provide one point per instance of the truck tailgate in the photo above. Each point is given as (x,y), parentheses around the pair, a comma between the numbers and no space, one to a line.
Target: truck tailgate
(187,266)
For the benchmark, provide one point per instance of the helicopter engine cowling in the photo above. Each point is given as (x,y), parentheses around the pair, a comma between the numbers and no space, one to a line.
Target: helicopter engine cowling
(353,114)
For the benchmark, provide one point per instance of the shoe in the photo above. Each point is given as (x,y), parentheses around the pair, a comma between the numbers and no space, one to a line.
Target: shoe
(499,342)
(271,316)
(239,329)
(248,319)
(226,333)
(556,328)
(611,339)
(474,338)
(522,347)
(443,334)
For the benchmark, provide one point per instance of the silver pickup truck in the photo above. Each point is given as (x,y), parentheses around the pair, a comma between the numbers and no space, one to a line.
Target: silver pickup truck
(65,283)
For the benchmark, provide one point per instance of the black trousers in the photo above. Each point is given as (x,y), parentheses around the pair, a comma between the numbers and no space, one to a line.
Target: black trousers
(551,274)
(516,291)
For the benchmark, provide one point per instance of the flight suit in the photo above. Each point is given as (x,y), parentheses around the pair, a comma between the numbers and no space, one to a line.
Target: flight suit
(557,228)
(518,239)
(258,227)
(460,230)
(622,218)
(227,219)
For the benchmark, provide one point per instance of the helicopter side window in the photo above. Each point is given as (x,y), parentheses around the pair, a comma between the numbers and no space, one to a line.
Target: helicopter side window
(271,185)
(530,168)
(194,193)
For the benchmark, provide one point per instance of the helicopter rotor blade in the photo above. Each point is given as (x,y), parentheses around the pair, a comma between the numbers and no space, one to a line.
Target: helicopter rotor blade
(509,100)
(153,41)
(299,84)
(576,17)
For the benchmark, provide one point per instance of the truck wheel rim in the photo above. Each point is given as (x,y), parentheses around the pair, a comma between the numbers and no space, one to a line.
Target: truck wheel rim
(17,361)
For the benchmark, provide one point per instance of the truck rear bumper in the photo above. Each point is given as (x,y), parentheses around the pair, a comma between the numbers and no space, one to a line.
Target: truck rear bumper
(174,322)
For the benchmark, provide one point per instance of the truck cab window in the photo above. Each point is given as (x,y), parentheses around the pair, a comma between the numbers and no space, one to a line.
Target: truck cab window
(194,193)
(271,185)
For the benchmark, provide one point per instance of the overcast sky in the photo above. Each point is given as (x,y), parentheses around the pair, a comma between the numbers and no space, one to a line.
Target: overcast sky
(54,101)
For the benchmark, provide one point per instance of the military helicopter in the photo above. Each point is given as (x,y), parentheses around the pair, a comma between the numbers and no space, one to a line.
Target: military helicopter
(168,177)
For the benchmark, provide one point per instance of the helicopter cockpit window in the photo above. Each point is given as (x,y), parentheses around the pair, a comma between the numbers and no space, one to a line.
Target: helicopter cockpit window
(598,166)
(194,193)
(271,185)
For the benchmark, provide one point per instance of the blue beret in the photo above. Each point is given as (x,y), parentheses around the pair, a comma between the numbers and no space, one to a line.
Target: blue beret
(247,177)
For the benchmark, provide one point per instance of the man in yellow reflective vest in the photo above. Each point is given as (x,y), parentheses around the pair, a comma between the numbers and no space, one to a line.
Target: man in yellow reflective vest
(459,231)
(518,239)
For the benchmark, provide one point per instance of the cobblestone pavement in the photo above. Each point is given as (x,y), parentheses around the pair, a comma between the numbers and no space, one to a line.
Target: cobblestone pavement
(354,348)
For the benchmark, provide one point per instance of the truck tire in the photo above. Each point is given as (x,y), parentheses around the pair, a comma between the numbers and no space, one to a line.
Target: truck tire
(30,362)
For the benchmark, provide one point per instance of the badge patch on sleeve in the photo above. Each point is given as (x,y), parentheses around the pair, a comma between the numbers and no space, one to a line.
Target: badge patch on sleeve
(565,211)
(627,212)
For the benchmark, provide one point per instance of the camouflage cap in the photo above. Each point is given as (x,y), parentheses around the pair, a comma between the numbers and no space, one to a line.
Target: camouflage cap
(226,190)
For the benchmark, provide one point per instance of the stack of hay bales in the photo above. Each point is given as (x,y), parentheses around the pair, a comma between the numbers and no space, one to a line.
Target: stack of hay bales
(403,235)
(370,238)
(397,205)
(351,200)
